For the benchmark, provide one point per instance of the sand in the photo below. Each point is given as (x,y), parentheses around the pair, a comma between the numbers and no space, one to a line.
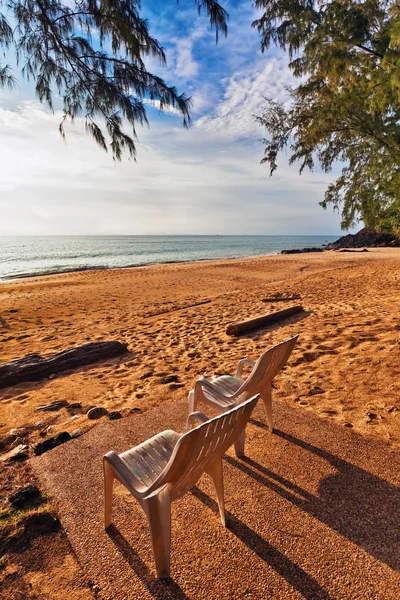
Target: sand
(345,367)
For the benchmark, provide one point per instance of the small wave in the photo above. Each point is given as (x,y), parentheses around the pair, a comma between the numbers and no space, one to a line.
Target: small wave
(53,271)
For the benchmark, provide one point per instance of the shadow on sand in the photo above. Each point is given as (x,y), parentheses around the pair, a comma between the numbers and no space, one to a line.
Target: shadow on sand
(360,506)
(292,573)
(363,508)
(165,589)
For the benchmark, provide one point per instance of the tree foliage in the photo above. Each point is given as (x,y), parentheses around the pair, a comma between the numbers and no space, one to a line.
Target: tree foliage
(347,105)
(91,54)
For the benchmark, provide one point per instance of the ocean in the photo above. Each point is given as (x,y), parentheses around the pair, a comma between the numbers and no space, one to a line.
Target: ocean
(26,256)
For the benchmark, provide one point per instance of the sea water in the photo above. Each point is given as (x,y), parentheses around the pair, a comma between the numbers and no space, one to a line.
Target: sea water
(25,256)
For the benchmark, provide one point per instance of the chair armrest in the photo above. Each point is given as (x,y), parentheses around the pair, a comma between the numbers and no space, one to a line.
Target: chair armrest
(123,474)
(203,383)
(241,363)
(195,416)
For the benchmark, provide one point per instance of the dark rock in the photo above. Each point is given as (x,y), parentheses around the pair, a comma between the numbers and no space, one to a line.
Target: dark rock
(366,237)
(24,496)
(135,410)
(302,250)
(96,412)
(74,407)
(34,367)
(349,250)
(114,415)
(18,453)
(54,406)
(51,442)
(169,379)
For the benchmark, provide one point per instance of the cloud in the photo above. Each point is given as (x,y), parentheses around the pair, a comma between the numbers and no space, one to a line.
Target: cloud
(186,67)
(244,96)
(184,182)
(171,110)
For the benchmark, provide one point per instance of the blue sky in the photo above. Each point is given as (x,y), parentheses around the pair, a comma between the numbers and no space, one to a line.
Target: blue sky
(205,180)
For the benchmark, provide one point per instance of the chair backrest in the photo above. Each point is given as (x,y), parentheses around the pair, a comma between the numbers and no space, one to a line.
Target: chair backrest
(200,446)
(268,366)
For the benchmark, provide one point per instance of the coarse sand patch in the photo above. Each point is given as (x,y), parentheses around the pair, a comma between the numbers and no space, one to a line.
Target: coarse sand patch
(313,512)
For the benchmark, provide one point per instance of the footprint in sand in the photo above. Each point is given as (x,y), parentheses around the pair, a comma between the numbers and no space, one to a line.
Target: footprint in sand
(329,413)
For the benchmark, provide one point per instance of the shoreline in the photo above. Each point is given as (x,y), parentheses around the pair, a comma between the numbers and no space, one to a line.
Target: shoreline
(11,278)
(17,263)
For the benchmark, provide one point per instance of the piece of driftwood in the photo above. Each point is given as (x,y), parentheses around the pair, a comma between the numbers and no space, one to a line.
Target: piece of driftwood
(34,367)
(246,326)
(282,298)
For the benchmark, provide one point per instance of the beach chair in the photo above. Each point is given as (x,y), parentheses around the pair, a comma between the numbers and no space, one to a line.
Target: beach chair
(168,465)
(225,392)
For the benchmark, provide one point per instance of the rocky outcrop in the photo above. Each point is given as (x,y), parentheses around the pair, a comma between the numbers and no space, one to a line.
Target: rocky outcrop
(365,238)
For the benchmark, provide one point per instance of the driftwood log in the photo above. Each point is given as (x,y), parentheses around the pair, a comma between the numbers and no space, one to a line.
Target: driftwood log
(282,298)
(34,367)
(246,326)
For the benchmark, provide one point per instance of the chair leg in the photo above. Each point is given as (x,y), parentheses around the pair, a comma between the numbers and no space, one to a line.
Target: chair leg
(216,474)
(266,396)
(239,444)
(109,477)
(158,513)
(192,407)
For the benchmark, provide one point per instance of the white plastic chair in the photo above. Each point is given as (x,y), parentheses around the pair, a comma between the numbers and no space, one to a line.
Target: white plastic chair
(166,466)
(225,392)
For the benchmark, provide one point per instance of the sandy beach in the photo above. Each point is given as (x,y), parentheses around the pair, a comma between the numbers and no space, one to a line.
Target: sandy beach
(345,367)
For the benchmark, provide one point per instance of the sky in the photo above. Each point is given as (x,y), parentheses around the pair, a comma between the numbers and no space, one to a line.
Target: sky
(204,180)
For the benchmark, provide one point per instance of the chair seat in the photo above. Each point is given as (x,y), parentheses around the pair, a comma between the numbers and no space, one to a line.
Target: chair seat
(149,459)
(226,385)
